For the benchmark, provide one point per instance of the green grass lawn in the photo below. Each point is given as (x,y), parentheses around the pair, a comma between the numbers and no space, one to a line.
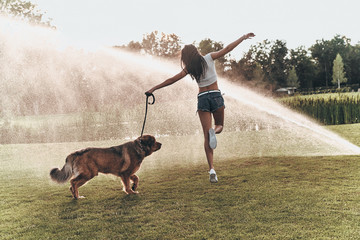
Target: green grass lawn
(269,197)
(350,132)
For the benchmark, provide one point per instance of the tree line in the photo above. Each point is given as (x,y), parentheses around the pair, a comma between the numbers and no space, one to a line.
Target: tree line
(25,11)
(266,65)
(271,64)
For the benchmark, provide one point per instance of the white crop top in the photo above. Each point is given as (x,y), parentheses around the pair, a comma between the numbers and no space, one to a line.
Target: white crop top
(210,75)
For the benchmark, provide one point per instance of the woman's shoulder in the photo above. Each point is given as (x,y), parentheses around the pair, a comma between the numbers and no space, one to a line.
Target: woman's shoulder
(208,57)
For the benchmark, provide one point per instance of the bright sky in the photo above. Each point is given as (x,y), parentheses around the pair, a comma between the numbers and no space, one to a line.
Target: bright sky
(116,22)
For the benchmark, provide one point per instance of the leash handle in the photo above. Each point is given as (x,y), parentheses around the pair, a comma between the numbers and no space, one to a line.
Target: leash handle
(150,95)
(146,108)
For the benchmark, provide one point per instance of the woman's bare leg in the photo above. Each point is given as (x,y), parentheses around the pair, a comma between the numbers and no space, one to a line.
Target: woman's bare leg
(206,119)
(219,119)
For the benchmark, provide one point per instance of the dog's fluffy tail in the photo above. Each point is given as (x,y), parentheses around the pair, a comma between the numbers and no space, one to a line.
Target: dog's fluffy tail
(65,173)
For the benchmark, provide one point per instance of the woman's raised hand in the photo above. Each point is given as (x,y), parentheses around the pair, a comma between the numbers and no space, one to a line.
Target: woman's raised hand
(249,35)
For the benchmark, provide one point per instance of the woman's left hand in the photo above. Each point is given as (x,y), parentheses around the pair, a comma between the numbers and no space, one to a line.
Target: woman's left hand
(149,92)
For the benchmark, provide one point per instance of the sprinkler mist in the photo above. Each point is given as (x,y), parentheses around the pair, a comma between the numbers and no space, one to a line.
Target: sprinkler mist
(40,74)
(295,121)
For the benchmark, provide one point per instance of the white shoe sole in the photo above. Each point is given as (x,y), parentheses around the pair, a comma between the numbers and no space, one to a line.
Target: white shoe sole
(212,138)
(213,178)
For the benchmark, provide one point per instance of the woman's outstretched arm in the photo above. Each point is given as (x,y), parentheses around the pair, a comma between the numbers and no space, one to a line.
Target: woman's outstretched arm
(231,46)
(168,81)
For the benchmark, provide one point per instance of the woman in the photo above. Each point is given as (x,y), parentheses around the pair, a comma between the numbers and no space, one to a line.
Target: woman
(210,101)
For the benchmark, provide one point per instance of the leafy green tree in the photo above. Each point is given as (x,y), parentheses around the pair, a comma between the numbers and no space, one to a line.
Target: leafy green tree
(246,66)
(324,51)
(338,71)
(353,70)
(206,46)
(320,53)
(279,62)
(272,57)
(305,67)
(150,43)
(24,10)
(134,46)
(258,79)
(239,70)
(260,54)
(292,79)
(169,45)
(255,59)
(131,46)
(269,62)
(161,44)
(258,73)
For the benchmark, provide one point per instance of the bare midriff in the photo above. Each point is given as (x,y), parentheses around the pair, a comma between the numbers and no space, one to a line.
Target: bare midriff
(213,86)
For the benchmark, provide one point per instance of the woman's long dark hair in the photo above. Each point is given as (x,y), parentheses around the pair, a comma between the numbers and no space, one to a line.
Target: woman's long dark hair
(195,64)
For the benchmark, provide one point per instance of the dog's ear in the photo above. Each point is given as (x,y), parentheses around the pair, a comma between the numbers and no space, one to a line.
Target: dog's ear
(147,140)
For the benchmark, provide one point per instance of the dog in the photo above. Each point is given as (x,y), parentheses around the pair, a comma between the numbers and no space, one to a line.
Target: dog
(123,161)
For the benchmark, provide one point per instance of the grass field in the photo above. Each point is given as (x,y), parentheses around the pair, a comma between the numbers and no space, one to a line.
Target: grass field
(270,197)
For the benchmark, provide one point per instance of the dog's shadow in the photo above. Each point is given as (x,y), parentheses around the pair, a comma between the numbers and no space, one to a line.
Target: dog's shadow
(116,204)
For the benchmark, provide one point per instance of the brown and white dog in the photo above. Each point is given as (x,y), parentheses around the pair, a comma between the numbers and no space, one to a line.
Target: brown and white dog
(123,161)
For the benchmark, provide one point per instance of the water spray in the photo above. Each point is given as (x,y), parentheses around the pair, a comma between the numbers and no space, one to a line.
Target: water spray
(290,116)
(36,60)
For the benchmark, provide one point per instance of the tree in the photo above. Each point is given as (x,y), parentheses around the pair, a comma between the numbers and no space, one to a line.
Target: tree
(161,44)
(150,43)
(131,46)
(279,62)
(324,51)
(292,79)
(24,10)
(206,46)
(353,70)
(134,46)
(272,57)
(338,71)
(260,54)
(305,67)
(169,45)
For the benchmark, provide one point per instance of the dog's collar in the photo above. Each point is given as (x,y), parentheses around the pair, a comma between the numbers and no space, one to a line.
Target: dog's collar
(141,147)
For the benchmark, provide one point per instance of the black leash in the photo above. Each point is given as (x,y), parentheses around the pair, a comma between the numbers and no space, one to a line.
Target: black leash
(147,102)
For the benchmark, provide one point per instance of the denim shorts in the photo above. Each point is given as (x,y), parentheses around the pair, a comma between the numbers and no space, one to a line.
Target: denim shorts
(210,101)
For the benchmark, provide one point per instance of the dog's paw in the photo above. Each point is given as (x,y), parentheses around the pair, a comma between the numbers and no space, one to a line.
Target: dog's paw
(81,197)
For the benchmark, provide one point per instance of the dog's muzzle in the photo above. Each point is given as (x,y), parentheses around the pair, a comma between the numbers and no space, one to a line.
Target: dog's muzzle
(158,145)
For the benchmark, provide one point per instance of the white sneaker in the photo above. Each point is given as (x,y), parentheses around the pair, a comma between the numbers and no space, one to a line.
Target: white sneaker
(213,177)
(212,138)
